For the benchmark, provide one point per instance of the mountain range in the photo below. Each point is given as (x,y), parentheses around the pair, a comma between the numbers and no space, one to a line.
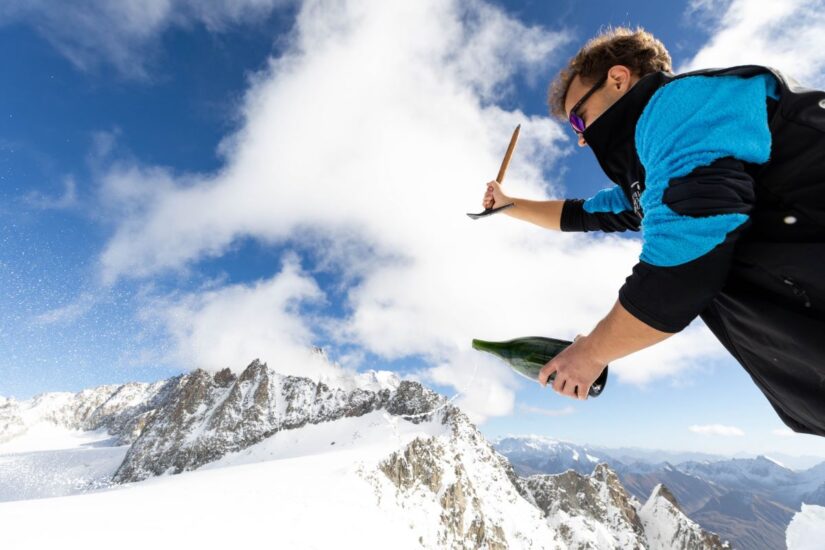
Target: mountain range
(748,501)
(369,460)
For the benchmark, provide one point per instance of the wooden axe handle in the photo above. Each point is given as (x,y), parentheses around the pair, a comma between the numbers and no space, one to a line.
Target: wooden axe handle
(507,155)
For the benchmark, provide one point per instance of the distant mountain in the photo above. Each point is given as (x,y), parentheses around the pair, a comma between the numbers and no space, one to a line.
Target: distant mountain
(378,451)
(749,519)
(745,474)
(798,463)
(537,454)
(749,501)
(630,455)
(658,523)
(692,491)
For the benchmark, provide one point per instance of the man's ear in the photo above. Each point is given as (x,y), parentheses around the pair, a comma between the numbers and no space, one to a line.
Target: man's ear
(620,77)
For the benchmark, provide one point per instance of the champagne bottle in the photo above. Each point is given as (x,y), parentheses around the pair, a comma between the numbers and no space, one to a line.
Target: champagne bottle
(528,355)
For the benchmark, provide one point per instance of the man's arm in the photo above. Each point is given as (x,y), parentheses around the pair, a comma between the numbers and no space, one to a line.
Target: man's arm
(572,215)
(545,214)
(608,210)
(619,334)
(581,363)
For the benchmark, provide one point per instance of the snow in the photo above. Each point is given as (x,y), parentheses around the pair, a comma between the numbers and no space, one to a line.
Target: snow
(47,437)
(775,461)
(654,515)
(531,441)
(49,461)
(375,434)
(664,524)
(467,462)
(292,490)
(588,533)
(807,529)
(371,380)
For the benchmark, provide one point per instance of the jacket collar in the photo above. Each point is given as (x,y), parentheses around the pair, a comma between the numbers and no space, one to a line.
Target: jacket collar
(612,135)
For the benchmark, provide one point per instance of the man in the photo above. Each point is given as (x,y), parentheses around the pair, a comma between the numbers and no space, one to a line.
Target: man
(723,170)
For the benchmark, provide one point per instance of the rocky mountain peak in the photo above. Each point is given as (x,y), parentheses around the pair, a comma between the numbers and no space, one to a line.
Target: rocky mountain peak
(667,526)
(206,416)
(661,491)
(599,497)
(224,377)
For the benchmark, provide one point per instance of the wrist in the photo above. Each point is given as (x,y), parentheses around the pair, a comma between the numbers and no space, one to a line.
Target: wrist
(508,200)
(594,345)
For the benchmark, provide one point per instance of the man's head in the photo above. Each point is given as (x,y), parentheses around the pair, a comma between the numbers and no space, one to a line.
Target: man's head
(605,68)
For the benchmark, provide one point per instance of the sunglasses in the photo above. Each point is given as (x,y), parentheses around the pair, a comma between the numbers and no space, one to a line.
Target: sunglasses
(576,121)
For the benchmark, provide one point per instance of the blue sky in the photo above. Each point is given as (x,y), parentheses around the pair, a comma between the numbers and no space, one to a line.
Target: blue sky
(206,185)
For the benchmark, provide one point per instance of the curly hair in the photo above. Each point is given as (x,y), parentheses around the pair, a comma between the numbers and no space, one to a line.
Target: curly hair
(637,50)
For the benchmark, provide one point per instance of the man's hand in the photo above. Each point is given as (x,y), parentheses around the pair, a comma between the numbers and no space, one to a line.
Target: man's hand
(576,369)
(617,335)
(494,197)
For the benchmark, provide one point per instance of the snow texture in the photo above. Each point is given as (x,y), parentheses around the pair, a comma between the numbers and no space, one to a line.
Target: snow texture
(807,529)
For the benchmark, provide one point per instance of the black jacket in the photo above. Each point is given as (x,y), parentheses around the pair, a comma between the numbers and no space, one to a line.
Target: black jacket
(761,290)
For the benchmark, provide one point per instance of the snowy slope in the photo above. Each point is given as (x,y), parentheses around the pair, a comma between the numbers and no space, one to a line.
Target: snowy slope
(294,490)
(50,460)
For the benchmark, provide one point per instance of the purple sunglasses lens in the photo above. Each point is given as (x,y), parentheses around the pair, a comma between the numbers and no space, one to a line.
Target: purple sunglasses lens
(577,122)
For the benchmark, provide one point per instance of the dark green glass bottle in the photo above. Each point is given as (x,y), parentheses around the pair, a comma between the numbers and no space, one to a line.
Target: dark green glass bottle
(528,355)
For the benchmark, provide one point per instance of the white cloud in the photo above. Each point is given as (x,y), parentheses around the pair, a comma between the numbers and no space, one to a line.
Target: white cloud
(675,358)
(125,33)
(230,326)
(484,387)
(783,432)
(69,312)
(786,34)
(65,201)
(364,145)
(717,429)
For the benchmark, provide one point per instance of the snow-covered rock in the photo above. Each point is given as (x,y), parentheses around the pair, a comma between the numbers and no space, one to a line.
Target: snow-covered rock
(807,529)
(589,511)
(667,527)
(113,407)
(204,417)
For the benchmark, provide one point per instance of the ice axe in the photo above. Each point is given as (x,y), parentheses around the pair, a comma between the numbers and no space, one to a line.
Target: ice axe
(500,177)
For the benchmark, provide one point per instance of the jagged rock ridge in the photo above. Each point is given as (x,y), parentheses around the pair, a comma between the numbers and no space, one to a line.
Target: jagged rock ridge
(205,417)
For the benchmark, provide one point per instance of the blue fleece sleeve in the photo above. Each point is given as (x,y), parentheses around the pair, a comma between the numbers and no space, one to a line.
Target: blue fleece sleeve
(693,138)
(608,210)
(611,199)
